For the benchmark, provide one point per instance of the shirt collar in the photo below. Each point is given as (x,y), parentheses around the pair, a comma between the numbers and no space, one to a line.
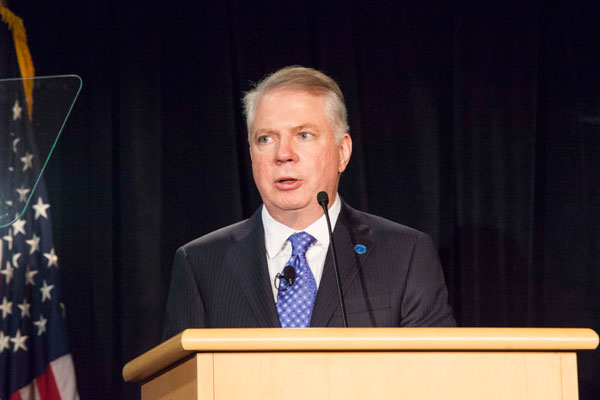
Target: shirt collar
(276,233)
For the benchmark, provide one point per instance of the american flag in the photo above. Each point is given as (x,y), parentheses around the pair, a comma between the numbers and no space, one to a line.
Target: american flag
(35,362)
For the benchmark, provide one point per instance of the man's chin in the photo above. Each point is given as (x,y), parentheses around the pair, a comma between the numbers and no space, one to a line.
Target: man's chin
(297,215)
(291,206)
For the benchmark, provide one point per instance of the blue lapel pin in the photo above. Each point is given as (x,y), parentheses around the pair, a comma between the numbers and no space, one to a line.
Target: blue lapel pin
(360,249)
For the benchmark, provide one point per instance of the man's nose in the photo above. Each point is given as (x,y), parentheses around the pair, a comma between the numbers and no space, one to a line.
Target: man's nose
(286,151)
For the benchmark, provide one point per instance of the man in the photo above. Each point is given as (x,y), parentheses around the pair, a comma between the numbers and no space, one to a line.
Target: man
(299,145)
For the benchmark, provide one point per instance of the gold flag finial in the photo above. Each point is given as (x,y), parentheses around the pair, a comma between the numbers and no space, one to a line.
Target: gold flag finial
(15,24)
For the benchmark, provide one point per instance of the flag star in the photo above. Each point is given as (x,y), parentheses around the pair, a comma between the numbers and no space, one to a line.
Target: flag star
(4,342)
(15,143)
(9,202)
(16,110)
(9,239)
(6,307)
(52,258)
(15,260)
(27,161)
(23,191)
(24,308)
(41,324)
(45,289)
(29,274)
(8,272)
(40,208)
(19,227)
(34,243)
(19,341)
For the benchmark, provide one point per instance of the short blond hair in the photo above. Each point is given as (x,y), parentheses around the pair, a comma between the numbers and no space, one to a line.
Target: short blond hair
(300,78)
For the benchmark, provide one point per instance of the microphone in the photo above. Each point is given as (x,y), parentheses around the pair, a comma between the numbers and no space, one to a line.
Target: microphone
(288,276)
(323,200)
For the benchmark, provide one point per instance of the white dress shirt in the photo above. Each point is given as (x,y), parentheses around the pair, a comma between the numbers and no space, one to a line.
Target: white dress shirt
(279,250)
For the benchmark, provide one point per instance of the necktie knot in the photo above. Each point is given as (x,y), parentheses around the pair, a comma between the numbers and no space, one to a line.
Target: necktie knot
(300,241)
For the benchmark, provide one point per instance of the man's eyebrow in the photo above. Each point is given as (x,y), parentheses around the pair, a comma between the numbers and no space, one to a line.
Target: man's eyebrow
(305,126)
(263,131)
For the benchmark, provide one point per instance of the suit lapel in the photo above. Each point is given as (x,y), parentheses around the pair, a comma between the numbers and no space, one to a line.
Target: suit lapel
(248,265)
(349,231)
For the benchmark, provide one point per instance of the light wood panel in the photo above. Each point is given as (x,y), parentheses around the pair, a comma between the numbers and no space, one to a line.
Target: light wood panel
(568,364)
(390,375)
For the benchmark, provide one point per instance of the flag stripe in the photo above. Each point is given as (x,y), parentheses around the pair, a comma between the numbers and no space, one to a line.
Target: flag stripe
(64,377)
(47,386)
(15,396)
(29,392)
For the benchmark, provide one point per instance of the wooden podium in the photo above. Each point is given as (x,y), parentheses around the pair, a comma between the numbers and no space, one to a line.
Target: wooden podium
(364,363)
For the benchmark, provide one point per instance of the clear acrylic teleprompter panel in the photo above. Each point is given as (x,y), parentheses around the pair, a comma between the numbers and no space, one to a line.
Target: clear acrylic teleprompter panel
(27,144)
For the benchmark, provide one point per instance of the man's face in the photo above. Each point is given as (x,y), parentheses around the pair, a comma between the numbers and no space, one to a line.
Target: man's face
(294,155)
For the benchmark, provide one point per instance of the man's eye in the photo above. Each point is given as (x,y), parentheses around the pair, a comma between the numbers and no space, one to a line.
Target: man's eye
(306,135)
(264,139)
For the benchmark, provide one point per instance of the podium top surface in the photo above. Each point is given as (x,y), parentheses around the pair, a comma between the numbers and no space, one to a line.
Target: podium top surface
(192,341)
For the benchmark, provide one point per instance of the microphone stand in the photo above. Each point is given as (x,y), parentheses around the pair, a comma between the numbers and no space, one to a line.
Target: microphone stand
(323,200)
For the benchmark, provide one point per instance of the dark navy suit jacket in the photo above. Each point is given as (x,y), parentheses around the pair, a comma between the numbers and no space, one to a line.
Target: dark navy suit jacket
(221,280)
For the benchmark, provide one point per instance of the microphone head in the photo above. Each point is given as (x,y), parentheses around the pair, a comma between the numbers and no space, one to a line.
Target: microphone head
(323,198)
(289,274)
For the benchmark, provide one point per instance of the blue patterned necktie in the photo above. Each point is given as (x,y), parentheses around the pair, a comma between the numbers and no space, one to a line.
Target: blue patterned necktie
(295,303)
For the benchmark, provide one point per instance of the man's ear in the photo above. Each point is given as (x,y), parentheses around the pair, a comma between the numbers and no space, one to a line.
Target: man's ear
(345,151)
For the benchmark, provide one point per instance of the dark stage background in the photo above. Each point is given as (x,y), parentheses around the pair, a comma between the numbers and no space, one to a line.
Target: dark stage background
(478,125)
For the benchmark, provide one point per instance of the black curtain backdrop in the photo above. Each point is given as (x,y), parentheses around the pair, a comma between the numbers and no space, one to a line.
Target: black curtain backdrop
(479,125)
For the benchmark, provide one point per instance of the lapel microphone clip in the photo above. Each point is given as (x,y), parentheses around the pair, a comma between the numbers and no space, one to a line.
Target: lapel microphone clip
(288,277)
